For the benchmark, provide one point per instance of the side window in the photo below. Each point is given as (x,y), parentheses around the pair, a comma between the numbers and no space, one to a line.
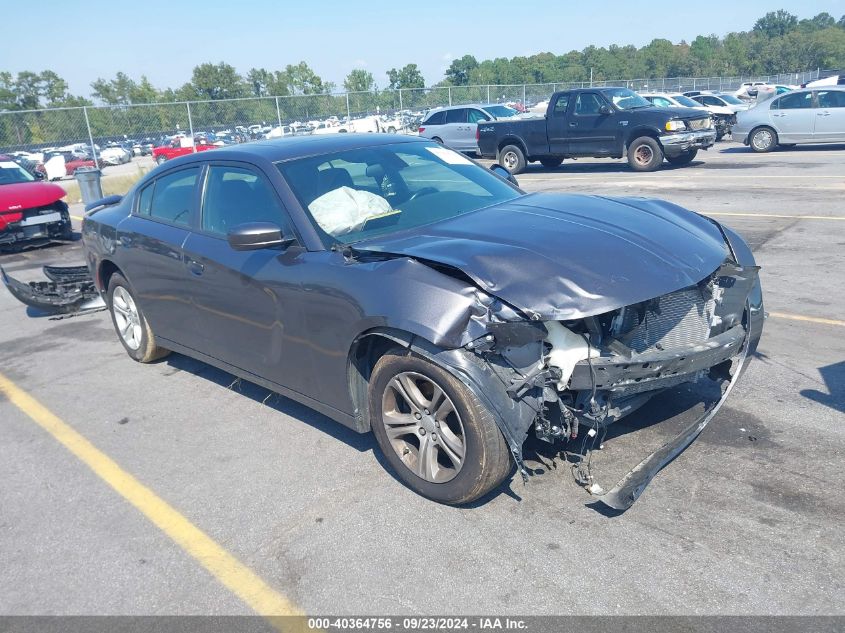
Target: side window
(234,195)
(438,118)
(831,98)
(794,101)
(561,105)
(145,199)
(661,102)
(174,195)
(587,103)
(476,116)
(458,115)
(711,101)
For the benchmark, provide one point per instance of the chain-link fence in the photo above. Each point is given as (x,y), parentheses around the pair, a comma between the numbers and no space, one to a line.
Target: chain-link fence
(236,120)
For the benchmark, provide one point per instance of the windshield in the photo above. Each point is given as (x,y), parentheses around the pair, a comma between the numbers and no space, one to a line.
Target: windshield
(686,101)
(731,99)
(501,111)
(11,173)
(371,191)
(625,99)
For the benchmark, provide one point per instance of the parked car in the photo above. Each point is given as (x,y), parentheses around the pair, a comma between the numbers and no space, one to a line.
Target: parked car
(396,286)
(30,210)
(719,100)
(115,155)
(179,146)
(599,122)
(279,131)
(807,115)
(723,117)
(58,165)
(457,126)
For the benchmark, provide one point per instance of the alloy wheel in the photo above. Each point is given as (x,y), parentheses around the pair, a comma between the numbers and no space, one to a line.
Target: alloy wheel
(423,427)
(127,318)
(510,160)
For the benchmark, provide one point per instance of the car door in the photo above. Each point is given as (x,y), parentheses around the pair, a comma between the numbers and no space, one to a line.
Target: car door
(455,131)
(793,117)
(247,302)
(830,116)
(150,243)
(557,125)
(591,130)
(474,117)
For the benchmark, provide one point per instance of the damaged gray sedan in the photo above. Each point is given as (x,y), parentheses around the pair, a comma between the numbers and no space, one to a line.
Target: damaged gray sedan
(398,287)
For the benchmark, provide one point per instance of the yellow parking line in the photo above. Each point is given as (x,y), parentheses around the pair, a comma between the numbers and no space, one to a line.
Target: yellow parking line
(774,215)
(799,317)
(233,574)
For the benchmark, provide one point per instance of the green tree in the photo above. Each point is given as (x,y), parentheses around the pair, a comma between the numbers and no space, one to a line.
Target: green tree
(776,23)
(217,81)
(459,70)
(409,76)
(302,80)
(359,80)
(259,80)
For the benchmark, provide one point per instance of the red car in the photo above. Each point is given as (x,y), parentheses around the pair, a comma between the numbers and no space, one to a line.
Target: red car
(72,163)
(30,210)
(174,149)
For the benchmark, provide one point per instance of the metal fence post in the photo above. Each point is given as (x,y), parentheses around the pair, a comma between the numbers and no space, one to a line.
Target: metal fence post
(488,93)
(278,114)
(523,95)
(450,95)
(191,128)
(401,107)
(348,112)
(90,136)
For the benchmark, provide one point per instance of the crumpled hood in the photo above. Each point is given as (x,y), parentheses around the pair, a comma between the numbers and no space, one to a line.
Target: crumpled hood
(564,257)
(28,195)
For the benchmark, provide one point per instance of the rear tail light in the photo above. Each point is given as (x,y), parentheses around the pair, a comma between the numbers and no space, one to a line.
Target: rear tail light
(422,129)
(477,135)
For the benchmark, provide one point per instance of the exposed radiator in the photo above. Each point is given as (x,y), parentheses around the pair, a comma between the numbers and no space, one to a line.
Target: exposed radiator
(673,320)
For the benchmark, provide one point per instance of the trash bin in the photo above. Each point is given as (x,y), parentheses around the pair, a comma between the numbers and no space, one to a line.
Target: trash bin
(89,184)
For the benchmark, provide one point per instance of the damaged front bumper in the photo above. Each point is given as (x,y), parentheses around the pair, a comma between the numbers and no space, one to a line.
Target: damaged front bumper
(69,289)
(676,144)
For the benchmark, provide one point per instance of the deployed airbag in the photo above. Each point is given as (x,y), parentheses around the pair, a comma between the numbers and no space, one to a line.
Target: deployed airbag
(344,210)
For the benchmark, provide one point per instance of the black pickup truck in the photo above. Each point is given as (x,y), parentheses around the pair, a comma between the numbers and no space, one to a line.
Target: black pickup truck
(598,122)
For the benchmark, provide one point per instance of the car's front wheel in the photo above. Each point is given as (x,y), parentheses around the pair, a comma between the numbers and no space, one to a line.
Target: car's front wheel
(132,327)
(645,154)
(435,434)
(763,139)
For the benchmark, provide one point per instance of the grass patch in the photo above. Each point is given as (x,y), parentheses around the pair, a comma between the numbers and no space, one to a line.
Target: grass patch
(111,184)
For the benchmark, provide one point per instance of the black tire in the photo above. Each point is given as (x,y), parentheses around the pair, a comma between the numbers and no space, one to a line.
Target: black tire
(437,139)
(160,159)
(147,350)
(512,158)
(683,159)
(645,154)
(763,139)
(487,460)
(551,163)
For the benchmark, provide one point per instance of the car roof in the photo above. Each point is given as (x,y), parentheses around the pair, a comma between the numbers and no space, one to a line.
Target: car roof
(291,147)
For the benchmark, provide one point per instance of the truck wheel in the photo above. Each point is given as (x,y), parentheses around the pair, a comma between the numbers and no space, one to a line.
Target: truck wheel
(763,139)
(645,154)
(160,159)
(683,159)
(551,163)
(435,434)
(512,159)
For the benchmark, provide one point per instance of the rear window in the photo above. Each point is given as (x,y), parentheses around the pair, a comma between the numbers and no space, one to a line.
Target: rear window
(459,115)
(437,118)
(173,196)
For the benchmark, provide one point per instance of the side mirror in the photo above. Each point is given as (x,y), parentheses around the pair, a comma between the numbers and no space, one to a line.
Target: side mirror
(605,109)
(39,175)
(500,171)
(252,236)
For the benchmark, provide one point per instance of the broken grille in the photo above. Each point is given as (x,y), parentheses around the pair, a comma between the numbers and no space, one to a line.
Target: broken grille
(674,320)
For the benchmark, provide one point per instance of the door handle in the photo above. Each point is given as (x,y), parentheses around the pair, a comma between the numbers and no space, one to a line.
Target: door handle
(822,113)
(573,124)
(195,267)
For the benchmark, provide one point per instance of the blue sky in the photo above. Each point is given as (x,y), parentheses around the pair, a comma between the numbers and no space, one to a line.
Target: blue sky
(165,39)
